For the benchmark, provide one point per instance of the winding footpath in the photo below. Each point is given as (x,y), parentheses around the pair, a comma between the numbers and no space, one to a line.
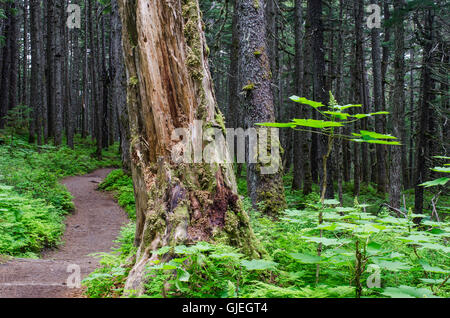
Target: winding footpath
(92,228)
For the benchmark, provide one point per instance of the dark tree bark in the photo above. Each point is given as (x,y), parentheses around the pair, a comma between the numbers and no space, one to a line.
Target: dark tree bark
(358,86)
(14,63)
(378,100)
(265,191)
(6,67)
(398,110)
(320,91)
(24,86)
(426,97)
(302,166)
(97,114)
(37,68)
(118,89)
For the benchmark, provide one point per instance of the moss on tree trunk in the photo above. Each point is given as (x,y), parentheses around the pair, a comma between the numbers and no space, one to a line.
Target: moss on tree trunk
(170,87)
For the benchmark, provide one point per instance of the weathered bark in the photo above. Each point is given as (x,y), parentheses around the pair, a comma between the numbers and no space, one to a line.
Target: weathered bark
(266,191)
(169,87)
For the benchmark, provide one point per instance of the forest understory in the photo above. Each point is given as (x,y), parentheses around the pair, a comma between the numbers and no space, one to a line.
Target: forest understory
(254,148)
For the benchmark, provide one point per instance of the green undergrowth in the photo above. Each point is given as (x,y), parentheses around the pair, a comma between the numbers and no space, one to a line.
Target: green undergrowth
(122,186)
(108,280)
(369,255)
(32,201)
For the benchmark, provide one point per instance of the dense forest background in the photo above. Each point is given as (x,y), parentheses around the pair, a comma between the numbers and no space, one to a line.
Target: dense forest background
(72,80)
(65,84)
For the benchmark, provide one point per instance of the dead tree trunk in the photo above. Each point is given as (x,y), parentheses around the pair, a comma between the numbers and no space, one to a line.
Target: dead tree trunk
(170,87)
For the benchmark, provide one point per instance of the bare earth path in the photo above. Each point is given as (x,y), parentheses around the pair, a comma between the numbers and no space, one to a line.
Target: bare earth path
(92,228)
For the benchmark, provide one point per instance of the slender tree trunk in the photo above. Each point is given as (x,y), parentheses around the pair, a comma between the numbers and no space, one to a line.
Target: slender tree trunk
(6,67)
(302,167)
(97,120)
(37,67)
(320,89)
(24,85)
(378,99)
(265,191)
(118,91)
(398,111)
(427,96)
(14,63)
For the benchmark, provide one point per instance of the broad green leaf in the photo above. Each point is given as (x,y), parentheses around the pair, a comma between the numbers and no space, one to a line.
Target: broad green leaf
(408,292)
(327,226)
(305,101)
(416,238)
(340,115)
(226,255)
(277,125)
(374,245)
(376,135)
(258,265)
(343,210)
(434,281)
(163,250)
(393,265)
(183,275)
(325,241)
(437,182)
(433,269)
(379,113)
(331,202)
(306,258)
(360,116)
(435,246)
(346,106)
(442,169)
(314,123)
(379,142)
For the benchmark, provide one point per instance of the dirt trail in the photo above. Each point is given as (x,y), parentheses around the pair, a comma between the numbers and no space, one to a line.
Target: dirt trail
(92,228)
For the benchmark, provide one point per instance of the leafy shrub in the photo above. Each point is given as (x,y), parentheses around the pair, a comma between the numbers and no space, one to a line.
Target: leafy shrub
(122,184)
(27,225)
(108,280)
